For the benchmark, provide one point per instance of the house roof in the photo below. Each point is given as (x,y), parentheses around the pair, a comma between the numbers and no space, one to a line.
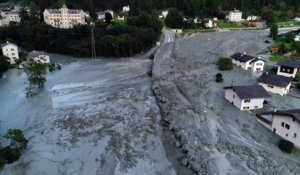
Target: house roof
(295,113)
(8,43)
(250,91)
(275,80)
(289,63)
(242,57)
(34,54)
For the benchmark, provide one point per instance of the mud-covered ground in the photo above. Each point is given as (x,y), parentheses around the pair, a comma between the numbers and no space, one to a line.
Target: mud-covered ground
(95,117)
(214,136)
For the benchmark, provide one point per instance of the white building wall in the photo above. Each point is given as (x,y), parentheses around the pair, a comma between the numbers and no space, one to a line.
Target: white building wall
(292,74)
(285,133)
(11,51)
(258,66)
(255,103)
(45,59)
(235,16)
(275,89)
(232,97)
(240,64)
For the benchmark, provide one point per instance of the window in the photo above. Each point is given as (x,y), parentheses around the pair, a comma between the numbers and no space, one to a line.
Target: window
(294,119)
(246,107)
(287,126)
(247,101)
(274,130)
(12,49)
(282,124)
(256,107)
(233,96)
(259,64)
(258,68)
(12,53)
(270,86)
(286,135)
(295,135)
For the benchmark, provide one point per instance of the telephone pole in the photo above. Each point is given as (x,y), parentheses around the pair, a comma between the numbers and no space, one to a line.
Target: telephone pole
(93,40)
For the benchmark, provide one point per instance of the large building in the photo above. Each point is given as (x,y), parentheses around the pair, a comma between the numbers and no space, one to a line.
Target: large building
(64,17)
(10,50)
(235,16)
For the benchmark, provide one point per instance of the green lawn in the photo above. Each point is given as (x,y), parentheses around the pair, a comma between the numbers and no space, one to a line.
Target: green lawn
(223,24)
(120,22)
(288,24)
(275,58)
(191,31)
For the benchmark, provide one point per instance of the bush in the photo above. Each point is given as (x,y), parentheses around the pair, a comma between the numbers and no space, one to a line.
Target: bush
(286,146)
(219,78)
(225,64)
(297,78)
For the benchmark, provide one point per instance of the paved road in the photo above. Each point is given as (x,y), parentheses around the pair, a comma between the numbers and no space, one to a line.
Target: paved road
(168,36)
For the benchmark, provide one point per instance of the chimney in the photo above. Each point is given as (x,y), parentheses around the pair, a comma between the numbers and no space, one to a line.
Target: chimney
(245,53)
(275,109)
(267,73)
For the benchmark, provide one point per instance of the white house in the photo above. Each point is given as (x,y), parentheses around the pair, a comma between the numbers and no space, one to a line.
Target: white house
(248,62)
(101,15)
(210,24)
(164,14)
(288,68)
(9,16)
(277,84)
(64,17)
(286,124)
(10,50)
(126,8)
(246,97)
(297,19)
(235,16)
(252,18)
(38,57)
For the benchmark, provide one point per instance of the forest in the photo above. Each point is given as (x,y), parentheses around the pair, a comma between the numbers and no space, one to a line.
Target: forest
(141,30)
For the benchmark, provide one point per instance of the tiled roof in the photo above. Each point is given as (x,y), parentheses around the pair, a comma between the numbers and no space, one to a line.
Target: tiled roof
(289,63)
(251,91)
(242,57)
(275,80)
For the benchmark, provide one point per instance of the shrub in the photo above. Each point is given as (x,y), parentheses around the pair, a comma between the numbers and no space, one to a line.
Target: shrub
(219,78)
(225,64)
(286,146)
(297,78)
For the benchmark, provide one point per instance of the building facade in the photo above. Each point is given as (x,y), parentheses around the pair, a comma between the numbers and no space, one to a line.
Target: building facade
(288,68)
(276,84)
(248,62)
(235,16)
(9,17)
(64,17)
(38,57)
(286,124)
(246,97)
(10,50)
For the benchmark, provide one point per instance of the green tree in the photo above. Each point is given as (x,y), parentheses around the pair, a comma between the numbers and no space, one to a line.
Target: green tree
(4,64)
(174,19)
(36,77)
(17,139)
(274,31)
(225,64)
(108,18)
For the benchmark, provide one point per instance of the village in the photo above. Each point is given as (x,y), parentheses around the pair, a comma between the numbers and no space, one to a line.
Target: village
(221,98)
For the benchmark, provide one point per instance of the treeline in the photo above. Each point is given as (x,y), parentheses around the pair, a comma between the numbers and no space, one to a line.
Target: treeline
(189,7)
(112,40)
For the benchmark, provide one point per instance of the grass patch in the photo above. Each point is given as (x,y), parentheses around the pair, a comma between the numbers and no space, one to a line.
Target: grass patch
(275,58)
(120,22)
(199,30)
(223,24)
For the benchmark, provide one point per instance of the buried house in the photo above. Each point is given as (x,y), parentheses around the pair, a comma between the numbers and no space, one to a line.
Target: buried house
(248,62)
(288,68)
(276,84)
(38,57)
(246,97)
(285,123)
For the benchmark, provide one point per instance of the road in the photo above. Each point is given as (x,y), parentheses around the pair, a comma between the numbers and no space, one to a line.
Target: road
(169,36)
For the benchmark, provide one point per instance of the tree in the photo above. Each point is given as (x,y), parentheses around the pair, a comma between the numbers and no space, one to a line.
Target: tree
(36,77)
(274,31)
(174,19)
(4,64)
(108,18)
(17,139)
(219,78)
(225,64)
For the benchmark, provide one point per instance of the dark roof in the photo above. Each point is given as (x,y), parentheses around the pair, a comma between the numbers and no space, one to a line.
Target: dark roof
(251,91)
(34,54)
(275,80)
(289,63)
(8,43)
(256,59)
(295,113)
(242,57)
